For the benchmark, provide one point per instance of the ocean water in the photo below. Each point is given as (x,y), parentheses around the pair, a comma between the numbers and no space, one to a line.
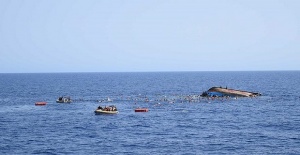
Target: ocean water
(178,121)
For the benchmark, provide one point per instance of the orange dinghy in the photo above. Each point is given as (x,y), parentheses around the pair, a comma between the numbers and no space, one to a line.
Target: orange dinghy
(141,110)
(40,103)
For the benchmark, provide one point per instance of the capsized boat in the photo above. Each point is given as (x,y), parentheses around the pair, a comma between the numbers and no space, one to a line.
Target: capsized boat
(64,99)
(106,110)
(225,92)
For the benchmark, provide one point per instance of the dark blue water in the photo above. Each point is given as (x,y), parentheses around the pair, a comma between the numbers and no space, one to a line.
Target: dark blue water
(179,122)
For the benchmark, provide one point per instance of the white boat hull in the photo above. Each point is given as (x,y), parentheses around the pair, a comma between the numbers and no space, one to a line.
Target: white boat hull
(99,111)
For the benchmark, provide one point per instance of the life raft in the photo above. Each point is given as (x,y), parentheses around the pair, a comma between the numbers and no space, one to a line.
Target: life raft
(40,103)
(141,110)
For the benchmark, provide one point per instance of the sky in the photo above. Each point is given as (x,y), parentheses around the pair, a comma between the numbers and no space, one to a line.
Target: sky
(38,36)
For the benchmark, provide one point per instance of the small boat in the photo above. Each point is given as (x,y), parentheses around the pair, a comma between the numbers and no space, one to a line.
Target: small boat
(141,110)
(64,99)
(106,110)
(40,103)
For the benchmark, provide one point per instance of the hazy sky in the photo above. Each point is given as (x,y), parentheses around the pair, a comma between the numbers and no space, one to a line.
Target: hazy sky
(149,35)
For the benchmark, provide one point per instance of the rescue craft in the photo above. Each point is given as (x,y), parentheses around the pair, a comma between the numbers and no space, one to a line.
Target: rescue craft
(106,110)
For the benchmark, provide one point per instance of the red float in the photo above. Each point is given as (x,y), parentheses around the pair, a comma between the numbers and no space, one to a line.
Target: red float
(141,110)
(40,103)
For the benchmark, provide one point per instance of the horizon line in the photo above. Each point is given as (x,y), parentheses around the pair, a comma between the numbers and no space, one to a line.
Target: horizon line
(146,71)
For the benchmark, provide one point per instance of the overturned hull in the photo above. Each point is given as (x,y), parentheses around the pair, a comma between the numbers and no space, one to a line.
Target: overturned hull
(225,92)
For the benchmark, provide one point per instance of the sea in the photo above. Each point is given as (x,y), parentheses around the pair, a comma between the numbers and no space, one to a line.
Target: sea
(179,120)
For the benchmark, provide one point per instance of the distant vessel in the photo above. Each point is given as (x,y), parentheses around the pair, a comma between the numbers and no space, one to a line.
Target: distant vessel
(225,92)
(64,99)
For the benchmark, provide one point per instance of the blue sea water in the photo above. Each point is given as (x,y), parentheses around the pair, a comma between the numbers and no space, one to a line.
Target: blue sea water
(178,121)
